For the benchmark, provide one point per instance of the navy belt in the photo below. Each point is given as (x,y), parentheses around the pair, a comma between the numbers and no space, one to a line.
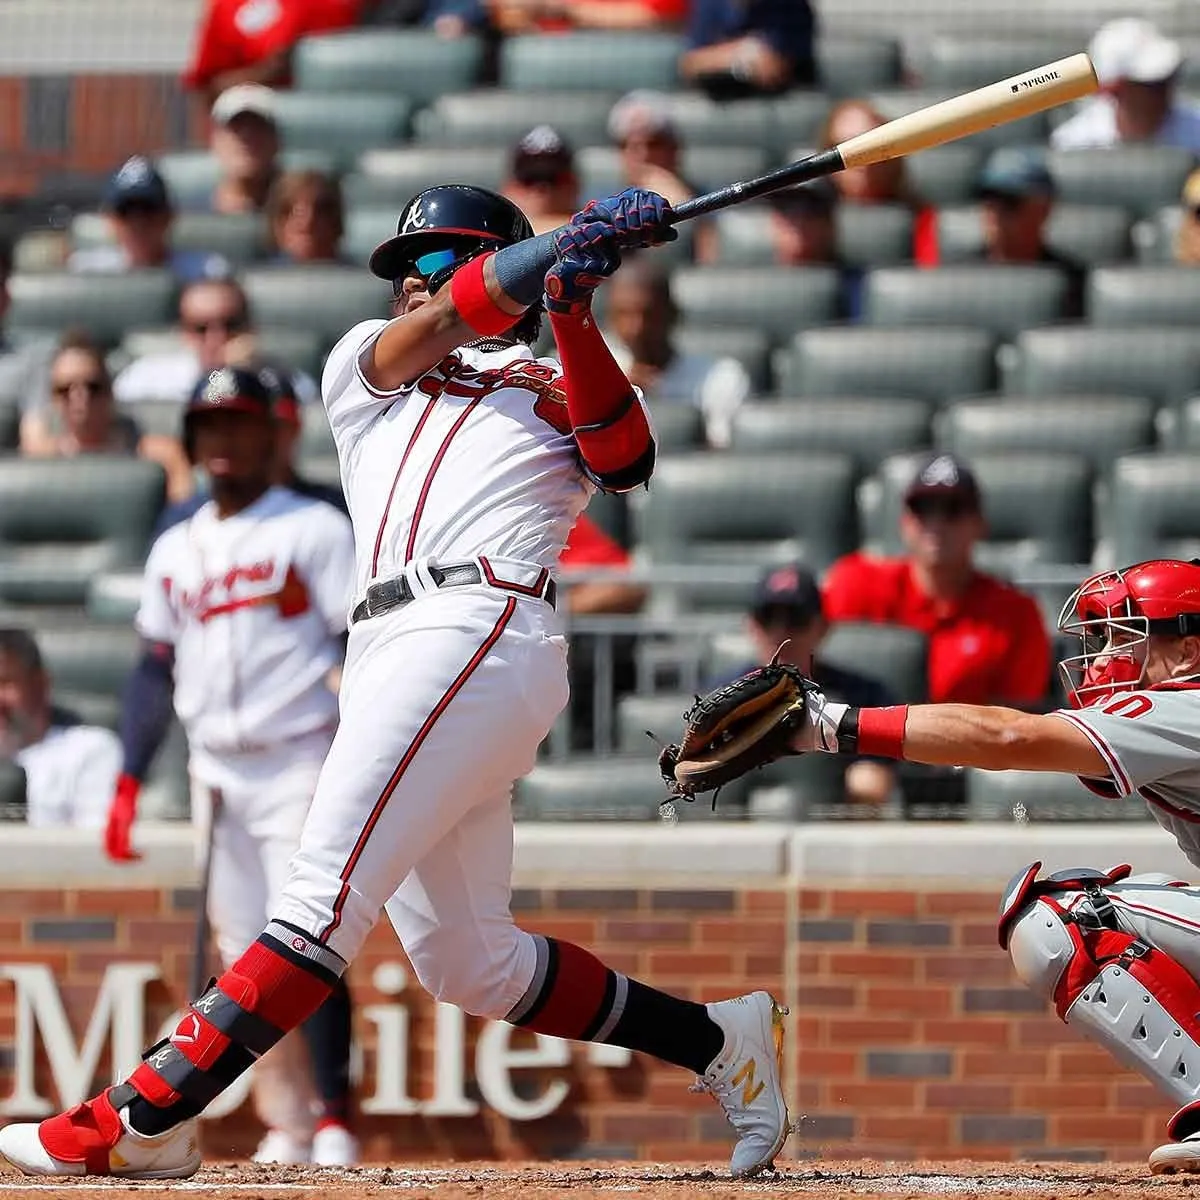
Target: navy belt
(391,594)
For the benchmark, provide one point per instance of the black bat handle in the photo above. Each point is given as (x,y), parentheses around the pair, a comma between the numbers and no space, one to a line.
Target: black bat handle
(826,162)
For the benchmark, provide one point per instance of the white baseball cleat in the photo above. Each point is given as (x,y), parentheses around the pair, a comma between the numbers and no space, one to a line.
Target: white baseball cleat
(282,1149)
(334,1146)
(746,1078)
(1173,1157)
(96,1139)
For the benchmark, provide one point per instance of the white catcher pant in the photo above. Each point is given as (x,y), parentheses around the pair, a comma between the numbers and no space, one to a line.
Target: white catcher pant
(443,705)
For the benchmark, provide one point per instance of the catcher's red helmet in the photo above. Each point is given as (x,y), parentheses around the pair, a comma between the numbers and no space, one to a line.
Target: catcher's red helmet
(1114,613)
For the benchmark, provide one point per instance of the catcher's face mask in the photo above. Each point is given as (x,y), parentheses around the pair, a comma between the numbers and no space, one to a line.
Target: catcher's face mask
(1114,639)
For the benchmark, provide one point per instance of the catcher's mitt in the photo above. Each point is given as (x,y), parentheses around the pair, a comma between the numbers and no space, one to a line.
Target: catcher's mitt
(746,724)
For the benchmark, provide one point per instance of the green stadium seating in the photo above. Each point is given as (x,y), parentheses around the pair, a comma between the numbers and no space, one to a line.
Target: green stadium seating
(113,596)
(1154,509)
(1101,428)
(866,428)
(163,417)
(323,300)
(392,177)
(610,511)
(751,347)
(1163,364)
(1123,296)
(191,175)
(241,238)
(62,521)
(661,714)
(993,795)
(90,659)
(368,225)
(416,63)
(301,349)
(799,118)
(493,117)
(676,426)
(704,122)
(1188,426)
(867,235)
(809,787)
(341,124)
(12,791)
(897,657)
(105,305)
(849,66)
(719,506)
(1001,299)
(1154,238)
(590,59)
(1088,234)
(945,174)
(1140,178)
(924,363)
(778,300)
(893,104)
(316,438)
(10,424)
(963,63)
(166,794)
(705,167)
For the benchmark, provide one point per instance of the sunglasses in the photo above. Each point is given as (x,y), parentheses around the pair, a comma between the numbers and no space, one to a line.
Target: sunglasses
(93,387)
(225,324)
(428,265)
(924,507)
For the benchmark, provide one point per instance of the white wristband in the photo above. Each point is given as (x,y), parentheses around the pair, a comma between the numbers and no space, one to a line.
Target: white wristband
(825,717)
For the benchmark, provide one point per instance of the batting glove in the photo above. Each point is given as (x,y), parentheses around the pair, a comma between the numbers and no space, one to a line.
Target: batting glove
(122,812)
(587,256)
(640,218)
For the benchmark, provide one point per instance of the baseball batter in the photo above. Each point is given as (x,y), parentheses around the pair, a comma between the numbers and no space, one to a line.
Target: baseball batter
(243,611)
(465,462)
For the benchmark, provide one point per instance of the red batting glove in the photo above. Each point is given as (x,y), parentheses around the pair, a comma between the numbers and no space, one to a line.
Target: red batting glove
(122,812)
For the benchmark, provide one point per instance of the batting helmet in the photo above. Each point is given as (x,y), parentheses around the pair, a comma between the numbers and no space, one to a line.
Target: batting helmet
(226,388)
(458,219)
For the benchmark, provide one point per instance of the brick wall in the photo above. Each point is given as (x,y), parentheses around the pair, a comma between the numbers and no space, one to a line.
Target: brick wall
(909,1034)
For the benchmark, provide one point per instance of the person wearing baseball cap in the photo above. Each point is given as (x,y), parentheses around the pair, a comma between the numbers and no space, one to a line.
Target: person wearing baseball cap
(1138,68)
(245,142)
(642,127)
(542,180)
(987,641)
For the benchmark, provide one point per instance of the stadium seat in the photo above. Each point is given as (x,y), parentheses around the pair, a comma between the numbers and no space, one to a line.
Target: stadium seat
(416,63)
(166,795)
(367,226)
(92,659)
(799,118)
(494,117)
(13,804)
(1154,508)
(590,59)
(661,714)
(705,167)
(392,177)
(1088,234)
(704,505)
(1124,296)
(325,300)
(963,63)
(924,363)
(1187,430)
(867,235)
(342,124)
(113,596)
(1163,364)
(1038,507)
(300,349)
(191,175)
(105,305)
(163,417)
(676,427)
(1154,239)
(704,122)
(241,238)
(1000,299)
(751,347)
(866,428)
(1140,178)
(1045,796)
(849,66)
(62,521)
(893,104)
(808,787)
(945,174)
(897,657)
(1101,428)
(316,438)
(778,300)
(10,424)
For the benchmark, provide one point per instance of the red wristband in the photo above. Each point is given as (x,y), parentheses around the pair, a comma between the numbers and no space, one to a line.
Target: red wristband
(881,731)
(474,305)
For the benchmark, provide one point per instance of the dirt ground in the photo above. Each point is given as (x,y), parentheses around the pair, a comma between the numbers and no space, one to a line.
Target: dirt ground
(655,1181)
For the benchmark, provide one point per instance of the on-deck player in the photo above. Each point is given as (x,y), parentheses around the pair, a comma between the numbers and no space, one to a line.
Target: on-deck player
(1118,954)
(465,462)
(243,616)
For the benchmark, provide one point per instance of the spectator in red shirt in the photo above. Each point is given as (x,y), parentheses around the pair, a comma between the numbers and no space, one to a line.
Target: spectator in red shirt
(250,41)
(589,548)
(987,642)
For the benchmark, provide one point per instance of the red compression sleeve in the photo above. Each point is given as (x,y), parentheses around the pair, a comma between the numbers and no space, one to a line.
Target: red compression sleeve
(470,295)
(881,731)
(610,425)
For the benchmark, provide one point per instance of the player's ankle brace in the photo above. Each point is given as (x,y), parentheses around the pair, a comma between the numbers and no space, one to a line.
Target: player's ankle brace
(873,732)
(280,980)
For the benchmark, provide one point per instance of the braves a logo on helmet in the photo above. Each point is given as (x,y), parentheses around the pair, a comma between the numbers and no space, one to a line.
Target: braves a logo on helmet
(222,385)
(414,219)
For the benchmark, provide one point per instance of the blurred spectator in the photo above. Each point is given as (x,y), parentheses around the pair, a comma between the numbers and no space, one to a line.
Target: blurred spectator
(542,181)
(987,643)
(70,769)
(286,409)
(82,418)
(307,217)
(1138,69)
(641,317)
(1187,241)
(250,41)
(216,331)
(879,183)
(524,16)
(643,130)
(747,47)
(24,367)
(786,617)
(245,143)
(589,547)
(139,213)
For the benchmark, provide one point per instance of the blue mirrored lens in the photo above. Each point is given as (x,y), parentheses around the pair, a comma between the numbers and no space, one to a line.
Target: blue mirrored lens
(434,261)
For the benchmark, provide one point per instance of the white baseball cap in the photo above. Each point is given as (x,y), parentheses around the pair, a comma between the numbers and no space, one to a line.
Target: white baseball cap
(1132,48)
(244,98)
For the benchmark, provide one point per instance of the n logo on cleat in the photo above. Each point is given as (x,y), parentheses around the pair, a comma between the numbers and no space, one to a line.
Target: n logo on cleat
(745,1079)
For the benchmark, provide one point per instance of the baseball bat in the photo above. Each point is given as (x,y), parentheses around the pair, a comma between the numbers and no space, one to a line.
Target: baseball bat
(1009,100)
(199,972)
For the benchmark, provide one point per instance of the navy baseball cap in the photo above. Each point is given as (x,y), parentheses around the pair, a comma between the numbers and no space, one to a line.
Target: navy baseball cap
(944,475)
(137,182)
(543,155)
(1016,172)
(792,587)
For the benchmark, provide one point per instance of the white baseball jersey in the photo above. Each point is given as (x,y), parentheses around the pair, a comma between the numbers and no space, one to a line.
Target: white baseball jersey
(1151,743)
(478,458)
(70,775)
(254,605)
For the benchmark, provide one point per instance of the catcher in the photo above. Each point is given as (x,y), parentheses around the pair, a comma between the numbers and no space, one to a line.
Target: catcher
(1117,953)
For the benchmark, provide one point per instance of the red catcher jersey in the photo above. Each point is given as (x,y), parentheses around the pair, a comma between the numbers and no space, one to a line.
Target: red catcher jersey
(238,33)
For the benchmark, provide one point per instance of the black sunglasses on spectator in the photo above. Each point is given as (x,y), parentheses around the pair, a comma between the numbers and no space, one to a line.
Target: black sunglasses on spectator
(228,324)
(93,387)
(950,507)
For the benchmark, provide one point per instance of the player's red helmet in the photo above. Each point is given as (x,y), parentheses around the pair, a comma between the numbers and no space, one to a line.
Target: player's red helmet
(1114,614)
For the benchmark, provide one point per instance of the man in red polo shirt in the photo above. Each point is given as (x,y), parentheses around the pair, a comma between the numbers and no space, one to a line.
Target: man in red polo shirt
(987,641)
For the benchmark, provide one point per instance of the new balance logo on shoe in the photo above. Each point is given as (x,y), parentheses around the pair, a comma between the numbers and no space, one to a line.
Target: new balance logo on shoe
(745,1080)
